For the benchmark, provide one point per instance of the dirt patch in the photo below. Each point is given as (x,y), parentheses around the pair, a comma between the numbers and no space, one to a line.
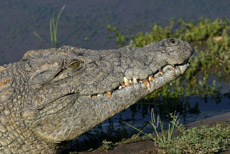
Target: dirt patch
(141,147)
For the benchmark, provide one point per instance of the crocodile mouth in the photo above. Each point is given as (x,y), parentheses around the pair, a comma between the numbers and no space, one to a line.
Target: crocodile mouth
(166,74)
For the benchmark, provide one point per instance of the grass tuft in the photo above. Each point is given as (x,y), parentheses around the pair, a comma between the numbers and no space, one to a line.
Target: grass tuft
(53,28)
(163,138)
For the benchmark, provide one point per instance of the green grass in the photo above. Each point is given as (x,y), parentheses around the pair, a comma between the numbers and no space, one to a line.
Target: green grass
(201,140)
(38,36)
(54,27)
(163,138)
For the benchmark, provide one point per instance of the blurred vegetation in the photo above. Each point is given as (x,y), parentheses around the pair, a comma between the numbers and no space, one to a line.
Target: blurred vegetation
(210,62)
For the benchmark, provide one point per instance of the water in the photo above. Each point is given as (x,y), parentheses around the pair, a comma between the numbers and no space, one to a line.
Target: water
(139,116)
(84,24)
(207,108)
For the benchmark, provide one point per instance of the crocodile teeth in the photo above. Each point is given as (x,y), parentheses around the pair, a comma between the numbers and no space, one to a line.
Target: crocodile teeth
(146,82)
(120,87)
(109,94)
(123,85)
(135,81)
(161,72)
(2,68)
(151,78)
(126,81)
(173,67)
(100,95)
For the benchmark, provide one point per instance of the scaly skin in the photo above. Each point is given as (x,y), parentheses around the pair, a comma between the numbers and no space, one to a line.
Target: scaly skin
(55,95)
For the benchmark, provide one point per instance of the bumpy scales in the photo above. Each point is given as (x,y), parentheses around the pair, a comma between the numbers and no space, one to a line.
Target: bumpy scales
(55,95)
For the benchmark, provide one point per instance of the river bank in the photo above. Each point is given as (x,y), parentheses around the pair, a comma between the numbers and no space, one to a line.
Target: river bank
(145,146)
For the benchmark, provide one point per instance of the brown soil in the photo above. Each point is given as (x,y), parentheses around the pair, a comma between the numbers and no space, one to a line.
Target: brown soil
(148,147)
(142,147)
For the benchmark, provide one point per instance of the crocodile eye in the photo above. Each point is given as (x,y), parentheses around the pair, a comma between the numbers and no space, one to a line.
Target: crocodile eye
(74,65)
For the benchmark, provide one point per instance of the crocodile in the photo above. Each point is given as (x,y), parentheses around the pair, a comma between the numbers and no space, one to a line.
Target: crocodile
(54,95)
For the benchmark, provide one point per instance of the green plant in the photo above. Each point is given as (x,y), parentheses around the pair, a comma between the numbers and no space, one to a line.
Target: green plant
(163,138)
(120,39)
(107,145)
(38,36)
(202,140)
(53,28)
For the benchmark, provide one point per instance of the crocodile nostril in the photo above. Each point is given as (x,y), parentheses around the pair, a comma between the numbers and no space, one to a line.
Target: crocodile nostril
(172,41)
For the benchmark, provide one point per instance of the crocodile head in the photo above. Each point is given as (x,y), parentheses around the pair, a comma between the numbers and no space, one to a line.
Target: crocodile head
(67,91)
